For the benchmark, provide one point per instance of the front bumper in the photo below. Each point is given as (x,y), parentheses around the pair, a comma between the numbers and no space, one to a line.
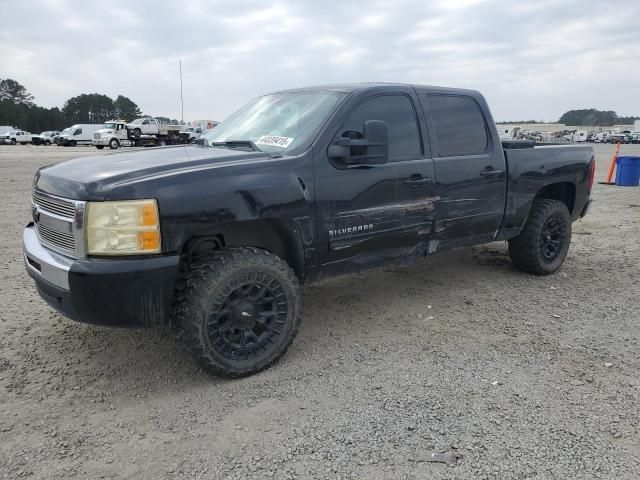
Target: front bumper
(101,141)
(112,292)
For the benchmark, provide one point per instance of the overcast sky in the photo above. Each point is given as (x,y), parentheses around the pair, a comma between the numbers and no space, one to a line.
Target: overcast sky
(531,59)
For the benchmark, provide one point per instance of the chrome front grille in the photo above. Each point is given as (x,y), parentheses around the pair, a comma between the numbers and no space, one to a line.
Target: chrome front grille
(96,136)
(54,237)
(58,223)
(55,205)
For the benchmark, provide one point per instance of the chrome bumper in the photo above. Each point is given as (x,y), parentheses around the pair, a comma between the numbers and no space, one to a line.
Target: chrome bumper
(44,263)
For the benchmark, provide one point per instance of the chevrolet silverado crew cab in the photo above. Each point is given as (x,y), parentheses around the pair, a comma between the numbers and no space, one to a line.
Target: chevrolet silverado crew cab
(215,239)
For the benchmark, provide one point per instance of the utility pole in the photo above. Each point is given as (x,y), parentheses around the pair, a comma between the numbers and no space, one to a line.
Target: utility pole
(181,99)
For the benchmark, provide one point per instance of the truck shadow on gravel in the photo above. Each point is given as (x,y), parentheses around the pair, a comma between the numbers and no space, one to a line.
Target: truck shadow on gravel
(378,300)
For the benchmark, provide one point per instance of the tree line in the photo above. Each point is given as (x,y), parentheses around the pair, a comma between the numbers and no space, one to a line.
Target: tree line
(586,117)
(17,109)
(595,118)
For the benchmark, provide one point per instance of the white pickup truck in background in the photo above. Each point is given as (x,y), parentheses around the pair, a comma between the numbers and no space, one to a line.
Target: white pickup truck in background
(152,126)
(16,136)
(197,129)
(45,138)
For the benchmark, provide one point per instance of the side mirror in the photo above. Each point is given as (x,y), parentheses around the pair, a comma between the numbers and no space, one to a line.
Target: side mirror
(372,149)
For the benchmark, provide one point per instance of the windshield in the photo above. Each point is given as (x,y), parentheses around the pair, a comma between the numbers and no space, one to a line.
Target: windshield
(280,122)
(110,125)
(66,131)
(138,121)
(45,134)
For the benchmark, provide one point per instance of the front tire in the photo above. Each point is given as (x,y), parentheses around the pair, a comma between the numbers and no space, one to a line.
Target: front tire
(47,142)
(99,147)
(237,311)
(13,141)
(543,244)
(114,144)
(72,143)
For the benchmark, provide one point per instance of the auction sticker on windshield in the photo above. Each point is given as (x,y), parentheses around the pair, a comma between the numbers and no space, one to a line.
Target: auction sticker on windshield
(274,140)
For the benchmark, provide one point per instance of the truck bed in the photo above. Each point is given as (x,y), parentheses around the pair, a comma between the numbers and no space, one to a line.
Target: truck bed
(530,167)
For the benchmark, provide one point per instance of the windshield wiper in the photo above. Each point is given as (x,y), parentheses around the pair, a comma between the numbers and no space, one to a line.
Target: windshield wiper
(237,145)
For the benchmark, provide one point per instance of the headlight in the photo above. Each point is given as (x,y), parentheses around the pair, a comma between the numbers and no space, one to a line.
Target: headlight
(123,228)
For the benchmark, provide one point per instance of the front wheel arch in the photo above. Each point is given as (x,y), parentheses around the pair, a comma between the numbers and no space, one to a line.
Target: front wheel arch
(279,237)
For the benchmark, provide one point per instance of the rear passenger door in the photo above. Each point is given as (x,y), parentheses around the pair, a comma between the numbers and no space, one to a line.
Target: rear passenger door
(470,169)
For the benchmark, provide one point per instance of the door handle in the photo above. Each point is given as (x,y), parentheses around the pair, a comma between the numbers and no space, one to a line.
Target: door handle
(490,172)
(416,180)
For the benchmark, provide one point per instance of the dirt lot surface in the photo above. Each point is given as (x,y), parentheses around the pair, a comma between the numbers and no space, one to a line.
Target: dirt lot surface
(521,376)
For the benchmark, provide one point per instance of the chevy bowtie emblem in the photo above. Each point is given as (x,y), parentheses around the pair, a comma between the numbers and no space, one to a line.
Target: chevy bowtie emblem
(35,213)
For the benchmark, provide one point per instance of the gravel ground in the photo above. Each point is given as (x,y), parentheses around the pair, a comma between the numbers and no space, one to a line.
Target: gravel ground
(521,376)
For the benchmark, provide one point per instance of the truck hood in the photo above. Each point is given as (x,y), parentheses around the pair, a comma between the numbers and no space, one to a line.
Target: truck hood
(92,178)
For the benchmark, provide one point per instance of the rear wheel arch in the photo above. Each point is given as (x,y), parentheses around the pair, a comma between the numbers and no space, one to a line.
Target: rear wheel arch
(564,192)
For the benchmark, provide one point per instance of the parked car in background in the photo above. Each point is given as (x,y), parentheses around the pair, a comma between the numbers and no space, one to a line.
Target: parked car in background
(152,126)
(79,134)
(197,129)
(601,137)
(5,132)
(619,138)
(45,138)
(16,136)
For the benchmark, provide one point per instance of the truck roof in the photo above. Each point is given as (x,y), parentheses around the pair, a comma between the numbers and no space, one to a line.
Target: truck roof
(352,87)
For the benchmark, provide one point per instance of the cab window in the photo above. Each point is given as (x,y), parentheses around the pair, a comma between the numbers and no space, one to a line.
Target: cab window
(459,125)
(398,113)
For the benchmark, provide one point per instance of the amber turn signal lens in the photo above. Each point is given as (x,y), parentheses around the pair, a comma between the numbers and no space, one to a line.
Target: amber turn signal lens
(149,241)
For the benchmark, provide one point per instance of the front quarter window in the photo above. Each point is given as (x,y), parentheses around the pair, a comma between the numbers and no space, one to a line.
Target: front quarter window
(279,123)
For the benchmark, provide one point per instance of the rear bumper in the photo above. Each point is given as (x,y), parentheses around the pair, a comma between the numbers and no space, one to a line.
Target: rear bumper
(112,292)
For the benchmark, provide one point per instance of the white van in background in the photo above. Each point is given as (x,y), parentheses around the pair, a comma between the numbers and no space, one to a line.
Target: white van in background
(580,136)
(79,134)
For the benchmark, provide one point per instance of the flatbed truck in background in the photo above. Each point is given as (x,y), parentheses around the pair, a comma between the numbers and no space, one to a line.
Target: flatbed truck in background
(119,133)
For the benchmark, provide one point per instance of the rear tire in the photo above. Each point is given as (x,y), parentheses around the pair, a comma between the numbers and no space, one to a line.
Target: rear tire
(237,311)
(543,243)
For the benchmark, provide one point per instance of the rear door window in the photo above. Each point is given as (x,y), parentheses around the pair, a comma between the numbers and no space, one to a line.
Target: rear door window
(459,125)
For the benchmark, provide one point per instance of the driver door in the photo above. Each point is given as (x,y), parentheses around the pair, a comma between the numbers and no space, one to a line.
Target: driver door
(368,213)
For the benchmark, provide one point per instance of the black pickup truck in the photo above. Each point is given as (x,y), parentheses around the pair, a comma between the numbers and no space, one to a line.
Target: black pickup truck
(215,239)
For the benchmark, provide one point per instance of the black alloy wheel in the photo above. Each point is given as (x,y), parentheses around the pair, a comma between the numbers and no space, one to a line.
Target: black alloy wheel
(552,238)
(249,319)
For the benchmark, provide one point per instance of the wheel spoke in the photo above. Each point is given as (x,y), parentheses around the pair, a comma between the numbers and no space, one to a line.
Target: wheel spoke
(259,295)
